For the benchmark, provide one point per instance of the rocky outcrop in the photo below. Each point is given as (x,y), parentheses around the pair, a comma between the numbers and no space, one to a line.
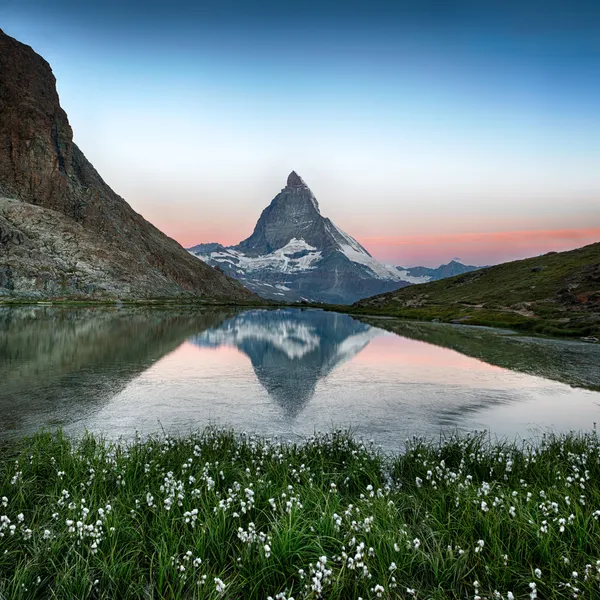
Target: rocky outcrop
(295,254)
(41,165)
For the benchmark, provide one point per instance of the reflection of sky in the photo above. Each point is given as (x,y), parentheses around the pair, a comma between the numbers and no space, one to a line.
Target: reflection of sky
(410,121)
(393,388)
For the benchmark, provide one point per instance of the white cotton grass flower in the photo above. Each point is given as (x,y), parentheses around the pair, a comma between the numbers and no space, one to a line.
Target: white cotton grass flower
(538,573)
(533,593)
(220,586)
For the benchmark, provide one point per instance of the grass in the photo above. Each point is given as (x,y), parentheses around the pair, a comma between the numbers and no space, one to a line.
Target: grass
(556,294)
(216,515)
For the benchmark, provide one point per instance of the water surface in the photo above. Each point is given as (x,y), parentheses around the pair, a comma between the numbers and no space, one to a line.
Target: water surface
(284,372)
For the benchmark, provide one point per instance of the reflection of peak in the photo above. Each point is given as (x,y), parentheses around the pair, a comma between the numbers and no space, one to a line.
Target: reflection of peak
(291,349)
(293,338)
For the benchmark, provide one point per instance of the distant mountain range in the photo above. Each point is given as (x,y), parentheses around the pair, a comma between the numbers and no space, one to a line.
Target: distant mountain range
(296,254)
(64,233)
(454,267)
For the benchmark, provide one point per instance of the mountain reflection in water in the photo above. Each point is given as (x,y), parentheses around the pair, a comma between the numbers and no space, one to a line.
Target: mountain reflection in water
(287,372)
(291,350)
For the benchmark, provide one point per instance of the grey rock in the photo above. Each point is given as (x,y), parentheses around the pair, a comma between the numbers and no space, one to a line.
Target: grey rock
(296,254)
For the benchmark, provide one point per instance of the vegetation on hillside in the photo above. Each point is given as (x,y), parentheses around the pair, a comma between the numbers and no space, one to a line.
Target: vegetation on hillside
(216,515)
(557,293)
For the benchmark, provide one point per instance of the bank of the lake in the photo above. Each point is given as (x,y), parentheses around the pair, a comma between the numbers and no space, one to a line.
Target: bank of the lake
(217,515)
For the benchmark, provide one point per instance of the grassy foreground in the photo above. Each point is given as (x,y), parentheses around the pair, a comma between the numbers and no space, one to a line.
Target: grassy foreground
(216,515)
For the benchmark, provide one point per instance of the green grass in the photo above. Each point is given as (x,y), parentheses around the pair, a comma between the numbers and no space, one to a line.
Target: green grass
(331,518)
(557,294)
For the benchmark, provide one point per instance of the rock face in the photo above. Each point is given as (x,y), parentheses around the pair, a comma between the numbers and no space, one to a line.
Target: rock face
(451,269)
(297,254)
(41,166)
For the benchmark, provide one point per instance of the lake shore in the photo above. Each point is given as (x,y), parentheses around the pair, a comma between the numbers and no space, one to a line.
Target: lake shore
(220,515)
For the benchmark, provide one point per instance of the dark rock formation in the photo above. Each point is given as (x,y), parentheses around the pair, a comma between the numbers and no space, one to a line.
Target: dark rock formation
(40,165)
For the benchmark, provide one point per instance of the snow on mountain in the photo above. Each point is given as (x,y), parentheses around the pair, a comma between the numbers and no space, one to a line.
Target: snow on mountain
(424,274)
(297,254)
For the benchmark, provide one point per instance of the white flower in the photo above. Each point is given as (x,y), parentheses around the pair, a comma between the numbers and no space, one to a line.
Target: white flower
(538,573)
(416,543)
(220,586)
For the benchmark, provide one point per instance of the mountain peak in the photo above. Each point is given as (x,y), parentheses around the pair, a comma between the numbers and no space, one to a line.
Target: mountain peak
(294,180)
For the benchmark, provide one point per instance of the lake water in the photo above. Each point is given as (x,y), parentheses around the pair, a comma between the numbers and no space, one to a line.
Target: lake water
(284,372)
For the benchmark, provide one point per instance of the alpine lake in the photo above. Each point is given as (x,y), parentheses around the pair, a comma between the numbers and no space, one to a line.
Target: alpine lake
(120,372)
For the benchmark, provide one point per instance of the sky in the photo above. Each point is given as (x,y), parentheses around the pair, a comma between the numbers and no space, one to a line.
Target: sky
(427,130)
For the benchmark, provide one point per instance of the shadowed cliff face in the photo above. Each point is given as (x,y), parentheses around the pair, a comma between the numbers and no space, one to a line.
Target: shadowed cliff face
(40,165)
(291,350)
(72,362)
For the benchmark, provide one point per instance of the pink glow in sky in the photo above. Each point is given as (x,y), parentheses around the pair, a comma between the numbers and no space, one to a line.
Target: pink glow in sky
(425,136)
(479,248)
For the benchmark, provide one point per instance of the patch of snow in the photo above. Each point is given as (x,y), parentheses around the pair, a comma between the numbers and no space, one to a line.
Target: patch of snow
(406,277)
(278,260)
(380,271)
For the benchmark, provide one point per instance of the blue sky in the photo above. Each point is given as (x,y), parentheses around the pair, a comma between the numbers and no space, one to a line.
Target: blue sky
(430,123)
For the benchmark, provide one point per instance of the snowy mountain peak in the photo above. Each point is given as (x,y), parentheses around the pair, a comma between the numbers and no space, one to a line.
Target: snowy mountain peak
(294,180)
(295,253)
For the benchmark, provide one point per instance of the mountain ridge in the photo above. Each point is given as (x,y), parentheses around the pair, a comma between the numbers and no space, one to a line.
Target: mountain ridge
(41,166)
(450,269)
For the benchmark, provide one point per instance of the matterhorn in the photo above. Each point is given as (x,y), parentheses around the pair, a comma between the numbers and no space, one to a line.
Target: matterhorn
(296,254)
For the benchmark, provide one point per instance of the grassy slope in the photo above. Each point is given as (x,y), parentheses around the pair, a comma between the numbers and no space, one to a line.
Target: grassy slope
(216,516)
(557,293)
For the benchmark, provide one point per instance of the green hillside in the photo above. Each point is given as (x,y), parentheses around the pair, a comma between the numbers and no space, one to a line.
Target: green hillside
(557,293)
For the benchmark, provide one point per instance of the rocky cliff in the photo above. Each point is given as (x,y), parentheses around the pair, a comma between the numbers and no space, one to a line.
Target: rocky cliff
(79,239)
(296,254)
